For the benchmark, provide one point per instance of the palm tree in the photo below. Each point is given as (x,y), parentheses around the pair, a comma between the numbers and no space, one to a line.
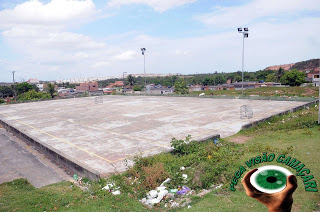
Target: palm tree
(279,74)
(51,90)
(131,79)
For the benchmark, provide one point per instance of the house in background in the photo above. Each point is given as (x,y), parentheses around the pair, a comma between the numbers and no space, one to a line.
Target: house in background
(116,84)
(87,86)
(33,81)
(314,77)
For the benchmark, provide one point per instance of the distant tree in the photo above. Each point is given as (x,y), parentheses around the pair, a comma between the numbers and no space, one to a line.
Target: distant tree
(50,90)
(35,87)
(137,88)
(6,91)
(33,95)
(180,87)
(271,78)
(279,74)
(23,87)
(220,79)
(206,81)
(293,78)
(131,80)
(237,79)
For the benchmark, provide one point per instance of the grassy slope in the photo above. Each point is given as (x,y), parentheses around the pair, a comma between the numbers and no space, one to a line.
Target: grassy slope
(306,148)
(294,130)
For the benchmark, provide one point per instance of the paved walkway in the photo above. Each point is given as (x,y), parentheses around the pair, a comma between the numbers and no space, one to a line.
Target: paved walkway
(17,161)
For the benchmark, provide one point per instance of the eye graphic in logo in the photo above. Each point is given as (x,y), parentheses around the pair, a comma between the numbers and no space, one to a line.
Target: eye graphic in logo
(270,179)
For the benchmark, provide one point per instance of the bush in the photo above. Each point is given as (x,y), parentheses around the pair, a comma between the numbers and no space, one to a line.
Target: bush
(137,88)
(33,95)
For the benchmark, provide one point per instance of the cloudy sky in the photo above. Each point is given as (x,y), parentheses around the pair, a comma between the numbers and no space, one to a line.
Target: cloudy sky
(62,39)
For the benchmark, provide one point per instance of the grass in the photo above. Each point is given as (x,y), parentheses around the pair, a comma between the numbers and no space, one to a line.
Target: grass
(268,91)
(299,136)
(207,163)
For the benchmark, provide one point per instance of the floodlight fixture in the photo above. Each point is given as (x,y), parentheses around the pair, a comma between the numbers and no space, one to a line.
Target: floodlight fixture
(246,29)
(143,50)
(246,35)
(239,29)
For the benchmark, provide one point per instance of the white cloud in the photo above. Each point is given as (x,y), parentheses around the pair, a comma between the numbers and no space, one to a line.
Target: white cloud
(127,55)
(56,12)
(157,5)
(255,10)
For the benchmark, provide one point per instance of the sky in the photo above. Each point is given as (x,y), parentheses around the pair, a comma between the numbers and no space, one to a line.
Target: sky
(65,39)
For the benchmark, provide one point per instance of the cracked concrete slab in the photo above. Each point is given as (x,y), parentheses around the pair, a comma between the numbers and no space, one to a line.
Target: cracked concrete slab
(102,136)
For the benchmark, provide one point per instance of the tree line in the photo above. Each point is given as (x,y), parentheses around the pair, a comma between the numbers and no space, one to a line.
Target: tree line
(292,78)
(25,91)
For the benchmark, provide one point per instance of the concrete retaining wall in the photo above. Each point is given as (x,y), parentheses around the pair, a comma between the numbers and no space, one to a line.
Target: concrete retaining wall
(54,154)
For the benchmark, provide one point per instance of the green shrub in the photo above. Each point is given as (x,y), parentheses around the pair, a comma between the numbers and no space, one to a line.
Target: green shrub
(33,95)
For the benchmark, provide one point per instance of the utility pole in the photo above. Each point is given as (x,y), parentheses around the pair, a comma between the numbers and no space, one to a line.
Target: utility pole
(14,86)
(123,77)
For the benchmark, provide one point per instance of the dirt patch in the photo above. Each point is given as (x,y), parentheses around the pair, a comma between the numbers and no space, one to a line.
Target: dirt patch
(309,92)
(240,139)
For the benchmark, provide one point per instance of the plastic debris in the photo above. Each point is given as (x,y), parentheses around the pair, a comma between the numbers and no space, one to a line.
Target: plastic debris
(183,191)
(166,181)
(153,193)
(182,168)
(174,204)
(155,196)
(173,190)
(75,177)
(184,176)
(189,206)
(108,187)
(117,192)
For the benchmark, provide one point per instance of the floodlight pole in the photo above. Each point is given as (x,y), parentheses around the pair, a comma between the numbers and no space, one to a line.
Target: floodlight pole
(245,35)
(144,65)
(242,63)
(144,69)
(14,86)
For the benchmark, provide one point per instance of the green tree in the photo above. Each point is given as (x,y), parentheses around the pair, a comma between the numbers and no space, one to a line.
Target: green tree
(6,91)
(206,81)
(33,95)
(131,79)
(237,79)
(271,78)
(137,88)
(279,74)
(23,87)
(50,89)
(35,87)
(180,87)
(220,79)
(293,78)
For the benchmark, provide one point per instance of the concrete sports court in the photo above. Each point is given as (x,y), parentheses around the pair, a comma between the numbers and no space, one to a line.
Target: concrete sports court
(99,137)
